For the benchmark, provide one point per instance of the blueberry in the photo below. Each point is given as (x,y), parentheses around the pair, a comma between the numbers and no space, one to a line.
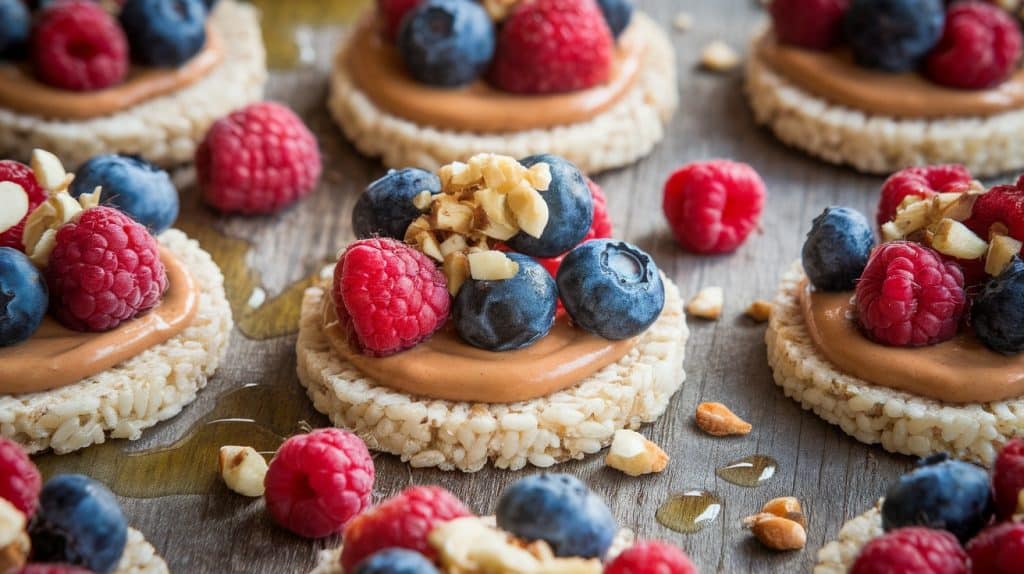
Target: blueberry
(998,313)
(164,33)
(942,494)
(396,561)
(386,208)
(78,522)
(617,13)
(893,35)
(23,297)
(507,314)
(446,42)
(15,23)
(837,249)
(133,185)
(570,210)
(560,510)
(611,288)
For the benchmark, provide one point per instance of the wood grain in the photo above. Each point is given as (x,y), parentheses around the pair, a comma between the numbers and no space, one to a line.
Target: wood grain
(834,475)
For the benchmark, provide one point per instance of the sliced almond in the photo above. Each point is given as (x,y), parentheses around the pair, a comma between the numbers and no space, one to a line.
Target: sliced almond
(1001,250)
(48,170)
(491,266)
(954,239)
(716,419)
(243,469)
(634,454)
(13,204)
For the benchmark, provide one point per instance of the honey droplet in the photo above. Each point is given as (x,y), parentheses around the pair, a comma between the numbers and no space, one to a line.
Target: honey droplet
(689,511)
(749,471)
(288,25)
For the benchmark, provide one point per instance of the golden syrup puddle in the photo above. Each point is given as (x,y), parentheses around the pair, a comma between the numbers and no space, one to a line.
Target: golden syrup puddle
(288,26)
(750,471)
(689,511)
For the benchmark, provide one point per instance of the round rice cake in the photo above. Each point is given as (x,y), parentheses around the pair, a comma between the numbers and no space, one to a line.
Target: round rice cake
(165,130)
(136,394)
(450,435)
(838,556)
(617,137)
(901,422)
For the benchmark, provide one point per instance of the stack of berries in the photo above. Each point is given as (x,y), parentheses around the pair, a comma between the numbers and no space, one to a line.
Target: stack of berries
(967,45)
(76,45)
(535,47)
(950,263)
(950,517)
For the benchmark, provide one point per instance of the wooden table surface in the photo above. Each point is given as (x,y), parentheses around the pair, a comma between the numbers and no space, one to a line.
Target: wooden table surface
(835,476)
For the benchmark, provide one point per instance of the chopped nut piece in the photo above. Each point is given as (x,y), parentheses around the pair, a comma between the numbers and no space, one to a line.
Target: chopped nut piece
(716,419)
(786,507)
(776,532)
(634,454)
(955,239)
(49,171)
(243,469)
(13,204)
(40,235)
(530,209)
(14,542)
(456,270)
(916,213)
(423,199)
(1001,250)
(491,266)
(707,304)
(719,57)
(683,21)
(455,243)
(760,310)
(449,214)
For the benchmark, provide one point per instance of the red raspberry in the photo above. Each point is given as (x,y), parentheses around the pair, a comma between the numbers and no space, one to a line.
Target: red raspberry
(388,296)
(600,227)
(550,46)
(913,550)
(104,270)
(404,521)
(77,45)
(908,296)
(1002,205)
(921,181)
(318,482)
(51,569)
(998,549)
(979,49)
(1008,478)
(651,558)
(20,174)
(815,24)
(19,478)
(391,13)
(712,206)
(257,160)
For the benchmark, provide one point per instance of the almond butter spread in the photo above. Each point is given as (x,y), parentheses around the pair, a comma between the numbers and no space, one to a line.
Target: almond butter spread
(444,367)
(834,76)
(378,71)
(56,356)
(960,370)
(21,92)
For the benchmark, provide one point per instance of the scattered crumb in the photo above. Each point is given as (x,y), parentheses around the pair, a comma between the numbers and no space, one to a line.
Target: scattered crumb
(634,454)
(683,21)
(719,57)
(717,420)
(707,304)
(760,310)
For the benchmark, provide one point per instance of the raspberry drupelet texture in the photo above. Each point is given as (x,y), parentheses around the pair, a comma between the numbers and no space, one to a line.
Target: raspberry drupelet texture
(105,269)
(551,46)
(20,482)
(77,45)
(913,550)
(651,558)
(919,181)
(257,160)
(815,24)
(979,48)
(1008,478)
(998,549)
(318,482)
(404,521)
(712,206)
(600,228)
(20,174)
(909,297)
(388,296)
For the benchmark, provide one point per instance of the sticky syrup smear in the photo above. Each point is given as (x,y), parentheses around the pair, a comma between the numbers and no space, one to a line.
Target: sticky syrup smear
(689,511)
(750,471)
(288,26)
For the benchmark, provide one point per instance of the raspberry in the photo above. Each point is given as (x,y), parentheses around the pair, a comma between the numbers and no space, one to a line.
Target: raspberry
(600,227)
(550,46)
(913,550)
(257,160)
(651,558)
(20,174)
(19,479)
(815,24)
(77,46)
(388,296)
(712,206)
(404,521)
(104,270)
(998,549)
(979,49)
(318,482)
(1008,478)
(909,297)
(921,181)
(390,13)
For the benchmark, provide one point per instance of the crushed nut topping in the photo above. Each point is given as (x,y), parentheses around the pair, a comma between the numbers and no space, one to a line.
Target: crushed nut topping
(716,419)
(14,542)
(760,310)
(634,454)
(719,57)
(707,303)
